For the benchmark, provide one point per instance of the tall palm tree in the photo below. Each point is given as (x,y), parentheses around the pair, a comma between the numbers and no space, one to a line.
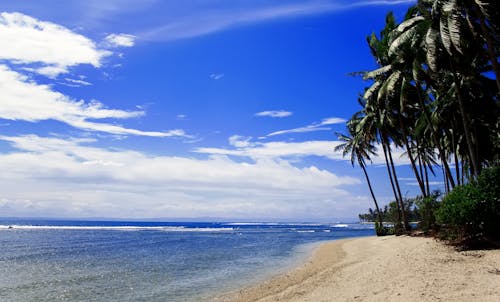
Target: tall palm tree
(359,149)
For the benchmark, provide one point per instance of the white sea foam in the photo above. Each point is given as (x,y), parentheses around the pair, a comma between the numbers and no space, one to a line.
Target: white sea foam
(252,223)
(272,224)
(340,225)
(115,228)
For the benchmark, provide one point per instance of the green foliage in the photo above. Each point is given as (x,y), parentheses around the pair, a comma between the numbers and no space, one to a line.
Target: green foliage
(426,208)
(371,216)
(399,229)
(488,184)
(473,210)
(429,93)
(390,212)
(381,230)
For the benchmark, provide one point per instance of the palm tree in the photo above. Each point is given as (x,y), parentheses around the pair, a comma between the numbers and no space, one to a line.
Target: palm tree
(460,44)
(359,149)
(433,92)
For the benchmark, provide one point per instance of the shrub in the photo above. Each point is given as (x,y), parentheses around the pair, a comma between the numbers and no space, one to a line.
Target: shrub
(473,210)
(427,208)
(488,184)
(381,230)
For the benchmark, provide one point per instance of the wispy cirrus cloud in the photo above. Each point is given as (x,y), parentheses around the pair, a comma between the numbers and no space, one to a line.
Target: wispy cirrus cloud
(76,82)
(255,150)
(274,113)
(119,40)
(173,20)
(242,146)
(207,19)
(216,76)
(318,126)
(22,99)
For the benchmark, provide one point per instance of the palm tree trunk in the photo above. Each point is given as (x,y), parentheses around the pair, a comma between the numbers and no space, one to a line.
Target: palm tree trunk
(422,168)
(467,127)
(392,181)
(427,180)
(412,160)
(446,182)
(379,214)
(457,168)
(434,136)
(396,181)
(463,174)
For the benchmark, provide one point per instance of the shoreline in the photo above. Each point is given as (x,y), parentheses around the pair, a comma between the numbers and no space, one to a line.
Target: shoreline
(382,269)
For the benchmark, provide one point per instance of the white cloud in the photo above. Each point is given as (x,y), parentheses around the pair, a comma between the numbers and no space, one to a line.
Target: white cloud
(120,40)
(203,20)
(299,130)
(216,76)
(332,121)
(272,150)
(77,83)
(67,177)
(240,141)
(312,127)
(274,113)
(21,99)
(33,41)
(244,147)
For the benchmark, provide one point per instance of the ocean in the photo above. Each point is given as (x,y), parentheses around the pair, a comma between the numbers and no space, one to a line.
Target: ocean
(56,260)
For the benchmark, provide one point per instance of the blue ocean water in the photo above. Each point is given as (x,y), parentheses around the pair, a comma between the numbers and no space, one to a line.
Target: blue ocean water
(55,260)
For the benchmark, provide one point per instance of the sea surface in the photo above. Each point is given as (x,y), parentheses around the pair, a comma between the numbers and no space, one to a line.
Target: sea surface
(56,260)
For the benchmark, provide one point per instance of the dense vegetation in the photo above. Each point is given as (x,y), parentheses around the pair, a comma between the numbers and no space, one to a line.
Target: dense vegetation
(435,94)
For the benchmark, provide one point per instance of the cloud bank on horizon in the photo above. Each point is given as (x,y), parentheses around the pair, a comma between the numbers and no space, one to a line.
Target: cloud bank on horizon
(72,169)
(91,181)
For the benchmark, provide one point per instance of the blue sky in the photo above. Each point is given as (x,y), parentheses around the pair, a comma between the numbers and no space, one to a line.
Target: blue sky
(141,109)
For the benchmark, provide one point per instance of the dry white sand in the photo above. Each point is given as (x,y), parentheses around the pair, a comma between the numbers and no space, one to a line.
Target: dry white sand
(384,269)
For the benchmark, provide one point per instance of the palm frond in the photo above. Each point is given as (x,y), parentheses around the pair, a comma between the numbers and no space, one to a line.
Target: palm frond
(445,34)
(432,48)
(454,26)
(370,91)
(401,40)
(389,86)
(377,72)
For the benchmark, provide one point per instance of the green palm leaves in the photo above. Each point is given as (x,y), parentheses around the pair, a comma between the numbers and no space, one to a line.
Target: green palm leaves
(435,92)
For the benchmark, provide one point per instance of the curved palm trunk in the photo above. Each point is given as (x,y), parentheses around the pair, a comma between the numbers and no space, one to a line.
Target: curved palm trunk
(467,127)
(427,180)
(412,160)
(423,169)
(391,180)
(457,168)
(446,182)
(379,214)
(398,189)
(434,136)
(455,157)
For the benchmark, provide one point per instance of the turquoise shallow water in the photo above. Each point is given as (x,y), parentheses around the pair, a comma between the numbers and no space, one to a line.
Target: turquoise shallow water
(146,261)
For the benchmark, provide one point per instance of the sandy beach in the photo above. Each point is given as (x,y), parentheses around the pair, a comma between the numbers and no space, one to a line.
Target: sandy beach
(384,269)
